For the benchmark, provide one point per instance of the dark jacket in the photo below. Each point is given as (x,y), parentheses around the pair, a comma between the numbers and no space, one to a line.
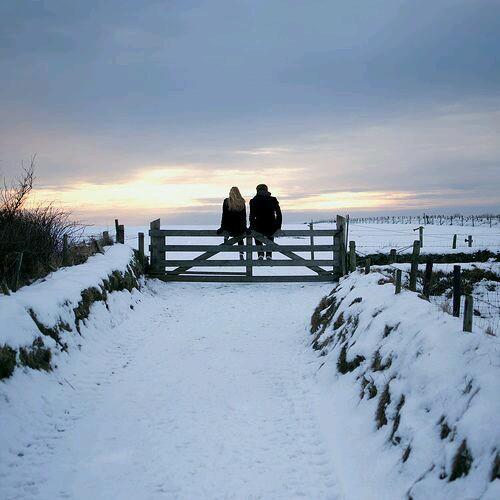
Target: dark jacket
(235,223)
(265,214)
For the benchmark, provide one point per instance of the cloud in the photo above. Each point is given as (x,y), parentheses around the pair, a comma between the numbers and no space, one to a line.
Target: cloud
(314,98)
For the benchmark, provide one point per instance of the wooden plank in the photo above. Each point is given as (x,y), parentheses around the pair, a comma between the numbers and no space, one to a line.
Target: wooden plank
(311,239)
(205,256)
(244,263)
(336,254)
(212,232)
(248,256)
(248,279)
(288,254)
(243,248)
(215,273)
(342,255)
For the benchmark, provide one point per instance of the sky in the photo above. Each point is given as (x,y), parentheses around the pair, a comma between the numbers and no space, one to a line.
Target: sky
(155,108)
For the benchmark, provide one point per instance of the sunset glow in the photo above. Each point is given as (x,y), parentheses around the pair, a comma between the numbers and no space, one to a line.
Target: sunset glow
(179,188)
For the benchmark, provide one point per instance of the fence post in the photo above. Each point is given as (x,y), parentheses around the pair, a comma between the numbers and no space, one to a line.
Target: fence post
(105,238)
(420,235)
(19,263)
(468,310)
(368,262)
(311,238)
(398,280)
(342,250)
(153,248)
(120,234)
(414,265)
(116,230)
(454,244)
(352,256)
(392,256)
(140,245)
(427,279)
(469,240)
(456,290)
(249,269)
(98,246)
(65,259)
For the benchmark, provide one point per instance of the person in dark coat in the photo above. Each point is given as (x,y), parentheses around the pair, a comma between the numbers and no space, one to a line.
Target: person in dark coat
(234,216)
(265,216)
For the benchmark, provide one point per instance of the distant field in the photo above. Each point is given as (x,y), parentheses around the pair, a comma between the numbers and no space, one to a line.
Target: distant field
(377,238)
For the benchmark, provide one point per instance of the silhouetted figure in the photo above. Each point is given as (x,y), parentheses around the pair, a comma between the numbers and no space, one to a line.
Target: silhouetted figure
(265,216)
(234,216)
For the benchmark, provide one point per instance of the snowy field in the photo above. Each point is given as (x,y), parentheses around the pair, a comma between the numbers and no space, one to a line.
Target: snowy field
(369,238)
(182,391)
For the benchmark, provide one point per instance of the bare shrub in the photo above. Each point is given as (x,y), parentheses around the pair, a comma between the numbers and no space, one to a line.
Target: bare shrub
(36,232)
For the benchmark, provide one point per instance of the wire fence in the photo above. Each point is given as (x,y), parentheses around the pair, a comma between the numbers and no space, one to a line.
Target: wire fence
(489,220)
(482,285)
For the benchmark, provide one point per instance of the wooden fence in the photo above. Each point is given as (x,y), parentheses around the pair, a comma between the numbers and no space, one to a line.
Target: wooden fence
(181,269)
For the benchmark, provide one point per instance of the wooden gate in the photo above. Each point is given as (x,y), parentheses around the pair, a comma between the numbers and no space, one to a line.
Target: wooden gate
(181,269)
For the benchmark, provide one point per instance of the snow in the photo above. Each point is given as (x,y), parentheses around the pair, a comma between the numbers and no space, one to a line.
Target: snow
(440,370)
(53,298)
(213,391)
(198,392)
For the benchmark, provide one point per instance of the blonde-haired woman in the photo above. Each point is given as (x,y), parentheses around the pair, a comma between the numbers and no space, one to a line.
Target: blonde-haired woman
(234,216)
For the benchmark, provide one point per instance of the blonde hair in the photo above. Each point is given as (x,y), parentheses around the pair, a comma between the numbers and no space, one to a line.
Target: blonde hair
(235,202)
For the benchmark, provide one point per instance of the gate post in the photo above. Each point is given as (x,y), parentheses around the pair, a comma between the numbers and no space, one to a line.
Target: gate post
(339,244)
(153,248)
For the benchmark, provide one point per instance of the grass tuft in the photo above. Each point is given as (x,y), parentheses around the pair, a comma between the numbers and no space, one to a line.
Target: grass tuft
(383,403)
(7,361)
(339,321)
(377,365)
(461,462)
(37,356)
(406,453)
(397,420)
(343,365)
(495,470)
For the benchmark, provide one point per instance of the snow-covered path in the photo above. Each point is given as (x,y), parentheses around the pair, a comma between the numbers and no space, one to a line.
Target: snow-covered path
(201,391)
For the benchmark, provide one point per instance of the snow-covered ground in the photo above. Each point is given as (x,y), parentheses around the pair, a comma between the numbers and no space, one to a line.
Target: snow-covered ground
(54,297)
(416,397)
(213,391)
(197,392)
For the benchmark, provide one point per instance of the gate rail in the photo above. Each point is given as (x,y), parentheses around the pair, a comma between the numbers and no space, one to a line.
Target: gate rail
(159,248)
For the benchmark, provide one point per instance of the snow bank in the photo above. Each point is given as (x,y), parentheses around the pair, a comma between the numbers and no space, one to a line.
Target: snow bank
(58,303)
(416,397)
